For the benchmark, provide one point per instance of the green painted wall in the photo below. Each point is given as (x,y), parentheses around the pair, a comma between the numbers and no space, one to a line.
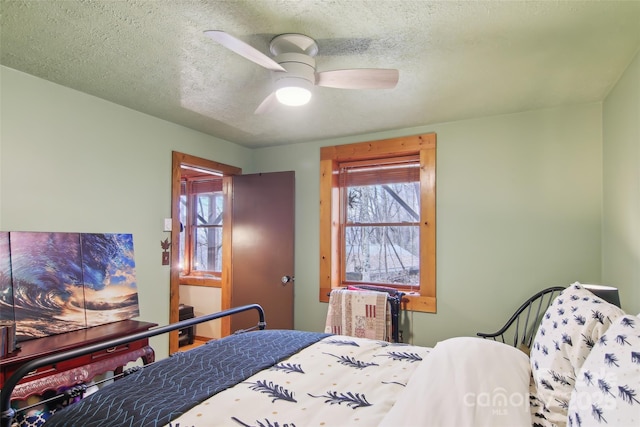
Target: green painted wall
(74,162)
(621,202)
(518,209)
(520,197)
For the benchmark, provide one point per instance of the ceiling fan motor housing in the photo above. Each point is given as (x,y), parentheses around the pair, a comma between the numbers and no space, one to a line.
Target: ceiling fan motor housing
(301,71)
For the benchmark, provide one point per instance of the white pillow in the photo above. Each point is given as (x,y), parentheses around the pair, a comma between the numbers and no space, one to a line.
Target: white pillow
(466,382)
(569,329)
(607,388)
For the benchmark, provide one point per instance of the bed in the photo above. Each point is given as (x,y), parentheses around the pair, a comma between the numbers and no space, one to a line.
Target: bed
(583,369)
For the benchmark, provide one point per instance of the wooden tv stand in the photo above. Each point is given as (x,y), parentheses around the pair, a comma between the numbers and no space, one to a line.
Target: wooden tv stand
(80,369)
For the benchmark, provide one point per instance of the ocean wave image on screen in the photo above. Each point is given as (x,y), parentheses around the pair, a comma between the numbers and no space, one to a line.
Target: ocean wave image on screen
(47,283)
(63,282)
(110,286)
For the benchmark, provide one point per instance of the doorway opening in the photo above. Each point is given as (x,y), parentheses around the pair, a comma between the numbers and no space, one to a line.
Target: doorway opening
(206,239)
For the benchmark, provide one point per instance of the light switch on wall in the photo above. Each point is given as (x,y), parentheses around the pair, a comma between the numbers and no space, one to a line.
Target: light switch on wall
(167,224)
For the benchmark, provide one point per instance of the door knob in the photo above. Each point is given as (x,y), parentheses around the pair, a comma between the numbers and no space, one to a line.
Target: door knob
(286,279)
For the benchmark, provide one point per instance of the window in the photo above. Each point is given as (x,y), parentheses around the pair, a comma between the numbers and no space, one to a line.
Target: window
(201,204)
(380,237)
(377,217)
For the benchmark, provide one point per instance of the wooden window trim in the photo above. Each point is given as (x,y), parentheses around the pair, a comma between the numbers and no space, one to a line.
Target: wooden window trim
(195,280)
(330,157)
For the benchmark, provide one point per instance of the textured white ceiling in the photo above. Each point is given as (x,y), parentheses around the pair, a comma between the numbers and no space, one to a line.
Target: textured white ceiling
(457,60)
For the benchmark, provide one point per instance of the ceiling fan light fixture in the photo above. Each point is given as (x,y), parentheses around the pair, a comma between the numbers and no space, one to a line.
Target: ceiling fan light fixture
(293,92)
(293,69)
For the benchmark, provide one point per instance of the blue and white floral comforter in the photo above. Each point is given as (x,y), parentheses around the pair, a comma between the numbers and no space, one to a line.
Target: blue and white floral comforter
(164,390)
(293,378)
(339,381)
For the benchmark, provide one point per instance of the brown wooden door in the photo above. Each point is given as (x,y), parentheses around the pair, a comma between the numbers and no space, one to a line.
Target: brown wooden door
(262,245)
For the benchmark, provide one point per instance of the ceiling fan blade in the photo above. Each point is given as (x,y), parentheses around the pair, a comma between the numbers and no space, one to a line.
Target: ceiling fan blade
(359,78)
(243,49)
(267,104)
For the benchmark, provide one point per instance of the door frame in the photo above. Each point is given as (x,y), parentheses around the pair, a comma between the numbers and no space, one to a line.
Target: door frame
(177,161)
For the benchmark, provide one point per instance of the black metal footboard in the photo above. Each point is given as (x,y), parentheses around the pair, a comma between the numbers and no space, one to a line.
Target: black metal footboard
(8,413)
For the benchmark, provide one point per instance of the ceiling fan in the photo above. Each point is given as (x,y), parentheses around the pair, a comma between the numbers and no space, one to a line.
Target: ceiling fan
(293,68)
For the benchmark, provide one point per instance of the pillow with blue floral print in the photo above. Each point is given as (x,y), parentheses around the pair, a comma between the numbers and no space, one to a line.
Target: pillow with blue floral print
(569,329)
(607,389)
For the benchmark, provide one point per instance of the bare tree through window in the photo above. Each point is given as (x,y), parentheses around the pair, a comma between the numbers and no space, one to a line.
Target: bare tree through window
(381,233)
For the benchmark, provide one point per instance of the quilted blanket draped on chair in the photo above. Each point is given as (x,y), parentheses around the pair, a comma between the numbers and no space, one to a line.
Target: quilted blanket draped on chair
(358,314)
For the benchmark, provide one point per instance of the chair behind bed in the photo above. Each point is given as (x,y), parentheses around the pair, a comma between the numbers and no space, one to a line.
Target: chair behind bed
(521,328)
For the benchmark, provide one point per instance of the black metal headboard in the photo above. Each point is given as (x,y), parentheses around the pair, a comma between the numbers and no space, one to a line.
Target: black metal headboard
(521,328)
